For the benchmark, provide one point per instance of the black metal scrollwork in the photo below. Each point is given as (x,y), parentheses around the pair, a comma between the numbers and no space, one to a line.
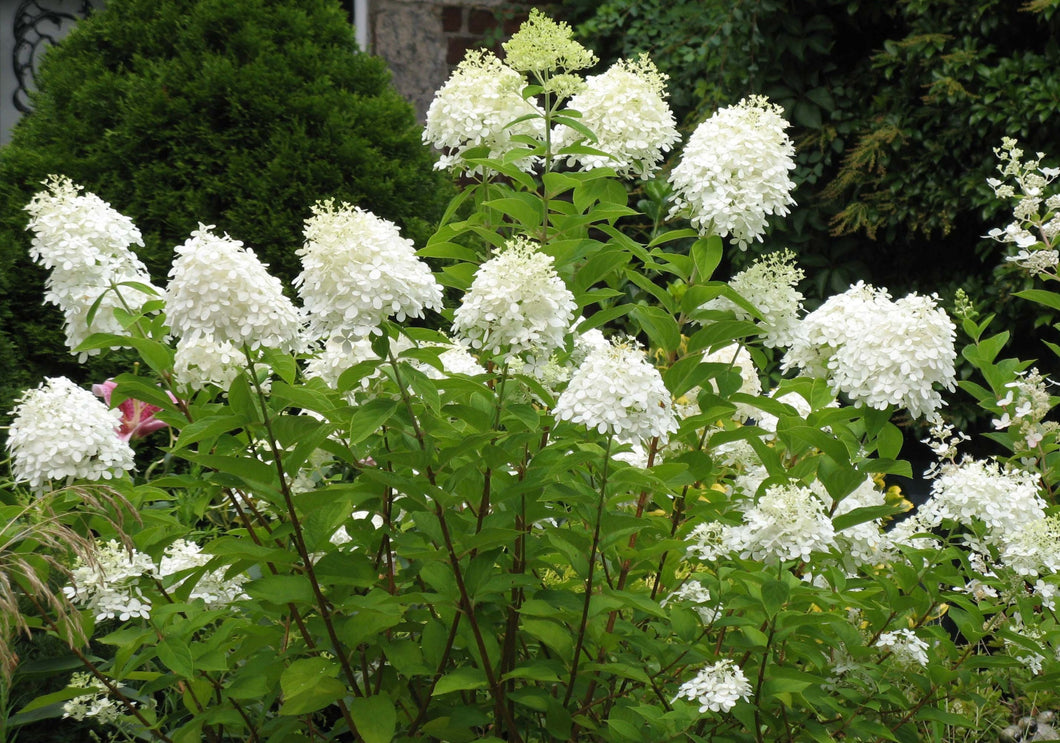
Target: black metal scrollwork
(39,24)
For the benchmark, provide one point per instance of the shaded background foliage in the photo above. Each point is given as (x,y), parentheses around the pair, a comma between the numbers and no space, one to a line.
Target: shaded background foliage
(895,109)
(235,113)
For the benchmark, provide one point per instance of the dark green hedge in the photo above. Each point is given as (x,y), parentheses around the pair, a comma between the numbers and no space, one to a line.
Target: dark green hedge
(236,113)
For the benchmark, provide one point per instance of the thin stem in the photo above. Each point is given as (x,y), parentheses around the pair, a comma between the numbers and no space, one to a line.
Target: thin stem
(583,624)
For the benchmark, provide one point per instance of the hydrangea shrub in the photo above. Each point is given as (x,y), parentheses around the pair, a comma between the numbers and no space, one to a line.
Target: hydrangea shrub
(442,498)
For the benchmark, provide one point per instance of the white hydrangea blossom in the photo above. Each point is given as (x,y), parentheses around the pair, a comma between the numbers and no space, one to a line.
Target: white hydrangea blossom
(768,422)
(626,109)
(94,704)
(219,288)
(61,431)
(1024,406)
(866,542)
(517,303)
(734,171)
(357,271)
(879,352)
(905,646)
(110,589)
(770,285)
(543,45)
(212,586)
(86,245)
(1033,230)
(1033,547)
(201,360)
(717,687)
(475,107)
(789,522)
(739,359)
(695,593)
(617,391)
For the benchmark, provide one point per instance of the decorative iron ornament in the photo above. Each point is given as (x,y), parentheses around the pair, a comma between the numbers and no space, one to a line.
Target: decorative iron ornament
(38,25)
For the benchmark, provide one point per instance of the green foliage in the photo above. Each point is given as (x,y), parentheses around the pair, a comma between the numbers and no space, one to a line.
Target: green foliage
(235,113)
(882,97)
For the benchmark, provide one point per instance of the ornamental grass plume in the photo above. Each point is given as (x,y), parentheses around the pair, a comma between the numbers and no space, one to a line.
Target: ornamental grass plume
(734,171)
(220,289)
(879,352)
(86,246)
(717,687)
(517,304)
(476,108)
(618,392)
(357,271)
(61,431)
(626,109)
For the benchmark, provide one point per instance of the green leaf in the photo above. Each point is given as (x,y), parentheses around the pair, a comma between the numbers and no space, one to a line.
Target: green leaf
(889,441)
(706,255)
(309,684)
(375,718)
(1041,296)
(176,656)
(660,326)
(281,589)
(774,595)
(462,679)
(368,418)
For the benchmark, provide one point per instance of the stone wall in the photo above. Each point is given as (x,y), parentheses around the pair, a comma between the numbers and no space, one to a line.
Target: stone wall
(424,40)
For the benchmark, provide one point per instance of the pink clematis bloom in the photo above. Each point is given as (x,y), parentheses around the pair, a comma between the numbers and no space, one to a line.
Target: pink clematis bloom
(137,417)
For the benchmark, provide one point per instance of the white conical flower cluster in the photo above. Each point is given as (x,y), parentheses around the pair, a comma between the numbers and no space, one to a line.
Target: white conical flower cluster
(717,687)
(357,271)
(60,430)
(616,391)
(516,304)
(201,361)
(218,289)
(477,107)
(86,245)
(738,358)
(734,171)
(182,558)
(770,285)
(626,109)
(877,351)
(905,646)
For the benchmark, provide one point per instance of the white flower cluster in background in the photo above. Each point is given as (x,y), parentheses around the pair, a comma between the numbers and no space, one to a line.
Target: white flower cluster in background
(625,107)
(770,285)
(211,586)
(516,304)
(696,594)
(877,351)
(717,687)
(617,391)
(94,704)
(201,361)
(86,246)
(357,271)
(1033,231)
(1024,406)
(738,358)
(734,171)
(1033,547)
(218,289)
(61,431)
(905,646)
(110,588)
(788,522)
(475,108)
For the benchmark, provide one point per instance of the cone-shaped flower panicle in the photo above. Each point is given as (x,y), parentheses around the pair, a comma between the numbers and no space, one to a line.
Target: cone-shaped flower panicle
(717,687)
(877,351)
(219,288)
(86,245)
(770,285)
(517,303)
(617,391)
(357,271)
(626,109)
(734,171)
(201,360)
(542,46)
(60,431)
(478,106)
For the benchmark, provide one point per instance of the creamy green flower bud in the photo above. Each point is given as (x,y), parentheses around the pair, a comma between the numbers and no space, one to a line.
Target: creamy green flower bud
(544,45)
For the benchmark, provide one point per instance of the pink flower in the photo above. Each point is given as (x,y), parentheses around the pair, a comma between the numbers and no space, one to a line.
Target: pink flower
(137,417)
